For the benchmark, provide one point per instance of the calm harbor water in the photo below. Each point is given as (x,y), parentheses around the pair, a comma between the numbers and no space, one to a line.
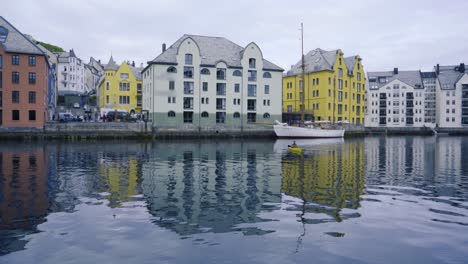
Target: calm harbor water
(367,200)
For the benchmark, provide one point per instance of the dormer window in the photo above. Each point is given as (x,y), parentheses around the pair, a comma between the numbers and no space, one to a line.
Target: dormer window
(252,63)
(172,69)
(188,59)
(3,34)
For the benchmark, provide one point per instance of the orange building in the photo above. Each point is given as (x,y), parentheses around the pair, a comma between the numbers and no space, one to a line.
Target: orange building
(24,76)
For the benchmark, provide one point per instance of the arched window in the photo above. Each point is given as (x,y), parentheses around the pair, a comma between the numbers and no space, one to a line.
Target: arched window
(252,63)
(107,86)
(236,115)
(205,71)
(171,114)
(266,116)
(237,73)
(172,69)
(266,75)
(204,114)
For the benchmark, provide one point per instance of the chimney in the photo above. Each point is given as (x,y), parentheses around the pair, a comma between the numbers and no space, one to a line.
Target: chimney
(163,47)
(395,70)
(462,67)
(437,69)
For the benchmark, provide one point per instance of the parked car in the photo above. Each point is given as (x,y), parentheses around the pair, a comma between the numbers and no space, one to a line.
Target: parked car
(118,116)
(76,105)
(65,117)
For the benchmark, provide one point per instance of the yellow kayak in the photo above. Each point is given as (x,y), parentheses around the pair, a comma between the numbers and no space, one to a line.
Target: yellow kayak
(295,150)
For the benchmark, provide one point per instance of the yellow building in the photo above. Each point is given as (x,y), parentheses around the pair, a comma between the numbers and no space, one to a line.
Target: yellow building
(333,176)
(121,88)
(334,88)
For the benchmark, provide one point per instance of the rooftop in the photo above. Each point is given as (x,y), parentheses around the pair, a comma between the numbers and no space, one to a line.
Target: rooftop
(412,78)
(212,50)
(449,75)
(12,40)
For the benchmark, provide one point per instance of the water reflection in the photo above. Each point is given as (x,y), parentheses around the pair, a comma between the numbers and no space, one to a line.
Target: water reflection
(252,188)
(206,187)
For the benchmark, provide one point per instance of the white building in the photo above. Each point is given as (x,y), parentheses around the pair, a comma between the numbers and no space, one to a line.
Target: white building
(395,99)
(452,96)
(70,74)
(94,72)
(210,83)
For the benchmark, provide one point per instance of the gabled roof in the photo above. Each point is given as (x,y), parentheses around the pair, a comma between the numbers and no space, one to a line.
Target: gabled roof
(12,40)
(428,75)
(315,60)
(350,63)
(412,78)
(111,65)
(449,76)
(137,72)
(212,50)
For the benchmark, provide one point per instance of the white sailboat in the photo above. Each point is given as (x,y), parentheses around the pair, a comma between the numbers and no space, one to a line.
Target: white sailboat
(283,130)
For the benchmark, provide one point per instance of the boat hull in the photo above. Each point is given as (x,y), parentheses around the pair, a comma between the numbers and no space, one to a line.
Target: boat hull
(305,132)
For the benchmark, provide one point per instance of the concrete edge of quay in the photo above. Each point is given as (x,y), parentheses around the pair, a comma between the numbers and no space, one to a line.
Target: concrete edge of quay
(140,131)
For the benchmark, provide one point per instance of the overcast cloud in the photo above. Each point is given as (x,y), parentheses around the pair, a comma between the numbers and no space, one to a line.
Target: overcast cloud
(386,34)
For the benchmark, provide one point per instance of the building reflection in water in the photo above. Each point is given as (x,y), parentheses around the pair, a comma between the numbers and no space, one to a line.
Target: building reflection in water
(325,178)
(211,187)
(191,187)
(24,199)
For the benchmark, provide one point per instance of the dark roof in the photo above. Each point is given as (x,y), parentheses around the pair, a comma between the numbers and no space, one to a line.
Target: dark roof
(412,78)
(212,50)
(111,65)
(14,41)
(449,76)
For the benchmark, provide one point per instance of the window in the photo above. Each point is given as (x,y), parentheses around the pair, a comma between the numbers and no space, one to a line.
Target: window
(107,86)
(340,84)
(188,103)
(252,63)
(1,98)
(251,117)
(205,86)
(237,73)
(32,115)
(107,99)
(15,60)
(220,104)
(1,79)
(267,89)
(32,97)
(32,78)
(252,76)
(266,116)
(340,72)
(268,75)
(32,61)
(124,86)
(188,87)
(169,99)
(172,69)
(171,114)
(171,85)
(252,90)
(15,96)
(358,76)
(188,117)
(1,61)
(221,74)
(205,71)
(289,108)
(15,115)
(220,117)
(204,114)
(15,77)
(124,99)
(221,89)
(188,59)
(124,76)
(236,115)
(251,104)
(236,88)
(188,72)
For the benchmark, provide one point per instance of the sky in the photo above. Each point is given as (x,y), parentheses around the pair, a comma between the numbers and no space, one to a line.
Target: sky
(406,34)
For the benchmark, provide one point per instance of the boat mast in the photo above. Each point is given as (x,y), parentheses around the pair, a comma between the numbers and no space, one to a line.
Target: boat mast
(303,75)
